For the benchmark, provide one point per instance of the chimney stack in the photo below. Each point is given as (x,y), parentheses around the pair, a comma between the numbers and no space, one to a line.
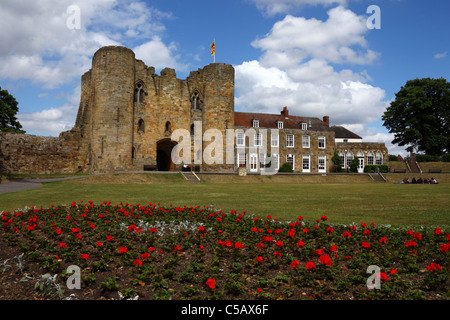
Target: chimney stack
(326,119)
(285,112)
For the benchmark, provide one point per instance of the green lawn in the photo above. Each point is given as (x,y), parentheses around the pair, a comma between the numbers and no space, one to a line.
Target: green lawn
(342,199)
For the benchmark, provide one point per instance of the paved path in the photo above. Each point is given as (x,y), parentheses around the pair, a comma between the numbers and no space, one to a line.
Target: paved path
(27,184)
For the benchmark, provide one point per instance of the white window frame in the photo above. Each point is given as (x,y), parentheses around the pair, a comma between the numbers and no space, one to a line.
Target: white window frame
(306,142)
(242,160)
(322,138)
(349,158)
(290,155)
(342,156)
(255,123)
(370,158)
(280,124)
(304,126)
(306,157)
(253,161)
(322,168)
(288,145)
(240,139)
(274,139)
(378,158)
(258,140)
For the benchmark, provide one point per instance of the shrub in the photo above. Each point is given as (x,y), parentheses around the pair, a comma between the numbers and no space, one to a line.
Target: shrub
(286,167)
(446,157)
(427,158)
(393,157)
(354,165)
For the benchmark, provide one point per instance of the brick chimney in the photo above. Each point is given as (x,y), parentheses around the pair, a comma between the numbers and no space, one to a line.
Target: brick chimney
(326,119)
(285,112)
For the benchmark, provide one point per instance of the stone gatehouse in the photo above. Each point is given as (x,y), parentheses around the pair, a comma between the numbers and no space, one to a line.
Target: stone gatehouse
(128,113)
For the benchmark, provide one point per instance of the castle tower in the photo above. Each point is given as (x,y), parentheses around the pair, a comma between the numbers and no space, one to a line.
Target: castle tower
(218,112)
(111,125)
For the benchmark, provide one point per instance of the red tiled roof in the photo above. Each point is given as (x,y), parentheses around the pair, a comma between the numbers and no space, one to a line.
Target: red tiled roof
(266,120)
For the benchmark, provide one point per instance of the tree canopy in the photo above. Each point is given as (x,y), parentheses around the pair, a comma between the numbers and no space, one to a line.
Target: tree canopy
(8,111)
(419,116)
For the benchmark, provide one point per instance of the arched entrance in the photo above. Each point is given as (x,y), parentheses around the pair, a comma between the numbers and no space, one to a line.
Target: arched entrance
(164,155)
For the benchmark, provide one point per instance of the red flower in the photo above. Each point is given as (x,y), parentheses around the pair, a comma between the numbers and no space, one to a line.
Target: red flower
(434,266)
(410,244)
(333,248)
(259,259)
(75,230)
(145,255)
(238,245)
(438,231)
(211,283)
(324,218)
(367,231)
(279,243)
(325,259)
(62,245)
(319,252)
(137,262)
(305,230)
(300,244)
(85,256)
(382,276)
(99,244)
(295,263)
(277,254)
(393,271)
(365,245)
(310,265)
(109,238)
(123,250)
(417,236)
(444,247)
(330,230)
(346,234)
(383,240)
(201,228)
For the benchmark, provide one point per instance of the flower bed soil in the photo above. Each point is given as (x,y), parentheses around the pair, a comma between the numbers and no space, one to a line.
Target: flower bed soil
(154,252)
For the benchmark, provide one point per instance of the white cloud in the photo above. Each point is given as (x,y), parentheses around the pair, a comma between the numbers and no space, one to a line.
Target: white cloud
(271,7)
(298,69)
(440,55)
(43,49)
(157,54)
(340,39)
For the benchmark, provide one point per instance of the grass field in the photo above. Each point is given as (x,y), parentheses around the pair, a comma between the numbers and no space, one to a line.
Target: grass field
(343,198)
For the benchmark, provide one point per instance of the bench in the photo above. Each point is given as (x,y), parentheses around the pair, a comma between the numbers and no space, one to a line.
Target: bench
(399,170)
(434,171)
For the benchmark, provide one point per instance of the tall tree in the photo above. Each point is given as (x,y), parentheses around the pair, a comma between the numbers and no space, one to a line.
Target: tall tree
(8,111)
(419,116)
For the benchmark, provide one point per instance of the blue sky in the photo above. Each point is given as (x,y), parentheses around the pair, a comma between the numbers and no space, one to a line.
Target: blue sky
(317,57)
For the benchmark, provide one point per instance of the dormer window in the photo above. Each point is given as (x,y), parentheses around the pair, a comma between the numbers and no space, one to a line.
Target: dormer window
(255,123)
(304,126)
(280,124)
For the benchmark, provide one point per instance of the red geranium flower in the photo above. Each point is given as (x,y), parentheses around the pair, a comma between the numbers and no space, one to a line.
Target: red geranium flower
(383,240)
(238,245)
(434,266)
(365,245)
(259,259)
(310,265)
(325,259)
(123,250)
(85,256)
(137,262)
(295,263)
(300,244)
(211,283)
(347,234)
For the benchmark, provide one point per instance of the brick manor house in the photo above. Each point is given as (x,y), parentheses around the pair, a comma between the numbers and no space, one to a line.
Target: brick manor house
(127,115)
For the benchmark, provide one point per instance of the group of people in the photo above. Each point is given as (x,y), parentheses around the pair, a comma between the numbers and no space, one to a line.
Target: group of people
(419,181)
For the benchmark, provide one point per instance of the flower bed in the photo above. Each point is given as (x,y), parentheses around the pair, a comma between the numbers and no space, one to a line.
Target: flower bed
(157,252)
